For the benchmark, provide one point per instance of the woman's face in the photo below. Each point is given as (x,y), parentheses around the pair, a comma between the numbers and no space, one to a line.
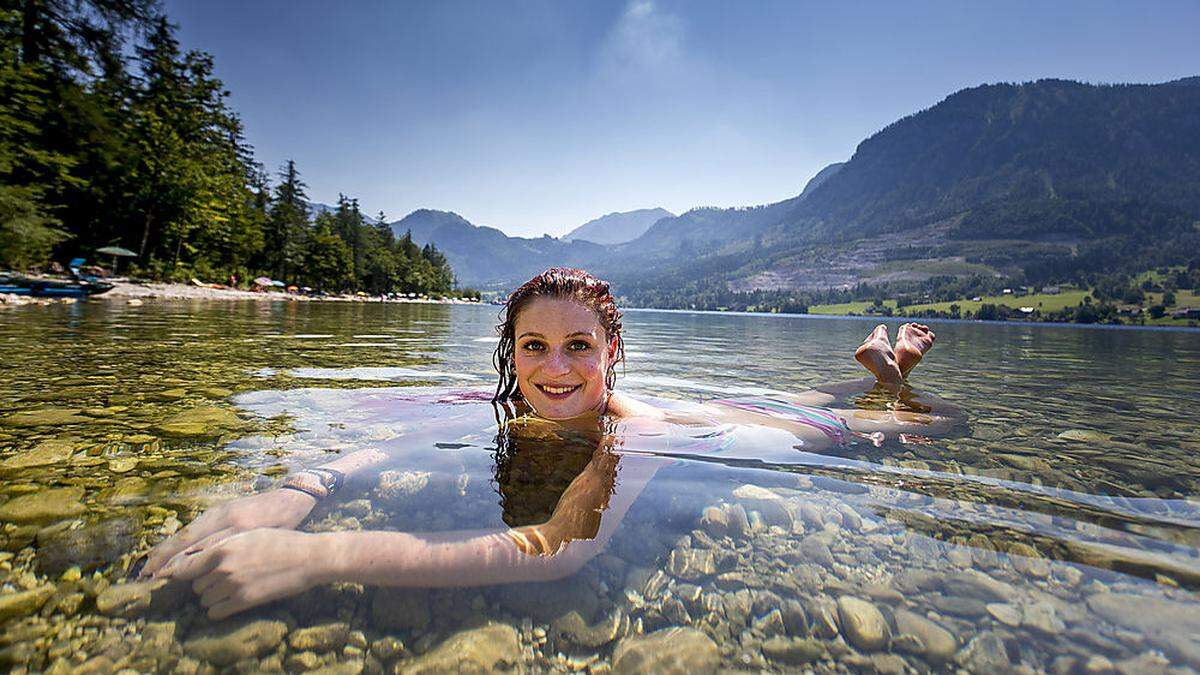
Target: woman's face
(562,357)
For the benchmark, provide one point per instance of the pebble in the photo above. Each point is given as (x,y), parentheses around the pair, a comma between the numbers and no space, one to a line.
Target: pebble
(1005,613)
(44,506)
(715,522)
(479,650)
(45,453)
(670,651)
(862,623)
(323,638)
(23,603)
(937,643)
(229,642)
(793,651)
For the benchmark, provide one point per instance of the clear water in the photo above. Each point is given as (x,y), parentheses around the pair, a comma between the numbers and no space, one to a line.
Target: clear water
(1058,529)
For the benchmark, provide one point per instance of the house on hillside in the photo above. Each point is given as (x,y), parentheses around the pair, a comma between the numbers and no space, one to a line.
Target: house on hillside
(1186,313)
(1051,290)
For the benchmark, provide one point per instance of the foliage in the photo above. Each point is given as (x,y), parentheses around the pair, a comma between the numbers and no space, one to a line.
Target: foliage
(108,142)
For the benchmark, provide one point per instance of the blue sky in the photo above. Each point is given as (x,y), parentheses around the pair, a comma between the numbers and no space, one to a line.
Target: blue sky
(535,116)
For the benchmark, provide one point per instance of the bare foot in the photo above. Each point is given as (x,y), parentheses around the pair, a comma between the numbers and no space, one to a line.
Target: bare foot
(876,355)
(912,341)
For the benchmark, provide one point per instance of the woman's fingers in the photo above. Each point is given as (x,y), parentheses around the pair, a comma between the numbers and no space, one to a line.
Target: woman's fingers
(190,562)
(195,531)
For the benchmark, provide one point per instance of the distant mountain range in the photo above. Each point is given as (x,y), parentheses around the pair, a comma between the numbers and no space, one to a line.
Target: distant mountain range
(618,228)
(317,208)
(1041,179)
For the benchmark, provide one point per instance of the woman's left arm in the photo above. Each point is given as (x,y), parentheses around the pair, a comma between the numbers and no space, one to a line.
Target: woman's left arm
(259,566)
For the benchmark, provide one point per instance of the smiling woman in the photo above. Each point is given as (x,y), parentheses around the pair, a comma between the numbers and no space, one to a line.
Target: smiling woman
(557,356)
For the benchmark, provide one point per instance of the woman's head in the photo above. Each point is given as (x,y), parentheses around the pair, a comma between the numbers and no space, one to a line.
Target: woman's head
(560,342)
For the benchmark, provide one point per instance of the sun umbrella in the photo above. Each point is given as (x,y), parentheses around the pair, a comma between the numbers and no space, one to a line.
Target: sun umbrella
(262,281)
(280,284)
(115,252)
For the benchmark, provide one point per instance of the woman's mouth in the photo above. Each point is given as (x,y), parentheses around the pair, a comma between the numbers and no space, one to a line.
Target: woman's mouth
(557,392)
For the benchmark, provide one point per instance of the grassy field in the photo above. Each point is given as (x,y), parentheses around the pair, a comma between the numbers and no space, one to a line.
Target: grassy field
(1044,302)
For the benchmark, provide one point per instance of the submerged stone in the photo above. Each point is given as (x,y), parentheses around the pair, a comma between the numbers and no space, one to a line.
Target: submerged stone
(322,638)
(87,547)
(673,651)
(44,417)
(937,643)
(47,452)
(480,650)
(23,603)
(44,506)
(862,623)
(229,642)
(793,651)
(201,421)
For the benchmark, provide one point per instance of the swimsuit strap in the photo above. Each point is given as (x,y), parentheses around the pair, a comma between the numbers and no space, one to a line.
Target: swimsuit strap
(821,419)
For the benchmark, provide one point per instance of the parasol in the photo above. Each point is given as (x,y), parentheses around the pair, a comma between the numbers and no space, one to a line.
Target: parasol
(116,252)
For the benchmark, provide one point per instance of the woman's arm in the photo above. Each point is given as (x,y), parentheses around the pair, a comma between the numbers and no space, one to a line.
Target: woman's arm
(251,568)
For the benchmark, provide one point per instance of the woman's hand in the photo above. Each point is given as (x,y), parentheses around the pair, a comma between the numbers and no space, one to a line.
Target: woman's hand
(278,508)
(251,568)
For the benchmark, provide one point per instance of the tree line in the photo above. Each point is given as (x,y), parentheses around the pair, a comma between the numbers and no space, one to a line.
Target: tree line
(112,134)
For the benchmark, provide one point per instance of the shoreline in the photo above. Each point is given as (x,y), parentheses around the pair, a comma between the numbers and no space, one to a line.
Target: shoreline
(135,293)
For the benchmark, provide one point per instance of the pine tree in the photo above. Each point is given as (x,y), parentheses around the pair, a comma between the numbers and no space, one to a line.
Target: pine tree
(287,224)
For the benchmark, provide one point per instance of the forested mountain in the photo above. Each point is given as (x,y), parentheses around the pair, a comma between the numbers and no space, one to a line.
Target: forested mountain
(485,256)
(618,227)
(1044,179)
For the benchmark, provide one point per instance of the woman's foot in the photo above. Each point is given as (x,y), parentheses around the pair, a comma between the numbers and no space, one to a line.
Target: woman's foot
(876,355)
(912,341)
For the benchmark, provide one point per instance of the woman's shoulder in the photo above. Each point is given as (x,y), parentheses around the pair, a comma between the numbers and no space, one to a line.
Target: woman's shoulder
(622,406)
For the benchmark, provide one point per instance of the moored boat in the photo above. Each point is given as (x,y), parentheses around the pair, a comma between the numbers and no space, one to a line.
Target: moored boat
(51,288)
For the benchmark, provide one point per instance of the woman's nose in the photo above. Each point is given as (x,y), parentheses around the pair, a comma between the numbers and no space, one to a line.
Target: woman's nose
(556,364)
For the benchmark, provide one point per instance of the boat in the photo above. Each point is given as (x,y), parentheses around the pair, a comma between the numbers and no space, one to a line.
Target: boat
(51,288)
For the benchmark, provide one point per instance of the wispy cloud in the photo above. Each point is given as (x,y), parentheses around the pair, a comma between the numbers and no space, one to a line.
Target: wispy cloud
(645,42)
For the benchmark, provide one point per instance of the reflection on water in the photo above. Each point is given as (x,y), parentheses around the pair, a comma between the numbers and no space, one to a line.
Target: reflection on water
(1057,529)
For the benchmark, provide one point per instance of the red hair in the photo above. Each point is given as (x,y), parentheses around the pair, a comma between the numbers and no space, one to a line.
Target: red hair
(557,282)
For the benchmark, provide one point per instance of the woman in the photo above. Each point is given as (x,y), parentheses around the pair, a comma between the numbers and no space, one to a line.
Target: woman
(560,346)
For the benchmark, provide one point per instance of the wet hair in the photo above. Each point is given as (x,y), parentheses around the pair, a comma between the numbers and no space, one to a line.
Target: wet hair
(557,282)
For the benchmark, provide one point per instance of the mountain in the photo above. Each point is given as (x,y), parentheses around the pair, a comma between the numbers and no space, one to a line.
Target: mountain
(484,257)
(618,227)
(1042,178)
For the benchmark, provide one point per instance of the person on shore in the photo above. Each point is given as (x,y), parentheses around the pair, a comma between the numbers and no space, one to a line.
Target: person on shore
(559,350)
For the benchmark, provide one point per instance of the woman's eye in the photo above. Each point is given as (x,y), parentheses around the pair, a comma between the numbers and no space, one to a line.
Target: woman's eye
(533,346)
(579,346)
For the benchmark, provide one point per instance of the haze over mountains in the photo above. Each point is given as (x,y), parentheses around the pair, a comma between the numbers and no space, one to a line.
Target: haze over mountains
(1037,179)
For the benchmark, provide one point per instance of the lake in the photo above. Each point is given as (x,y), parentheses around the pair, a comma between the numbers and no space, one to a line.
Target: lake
(1056,529)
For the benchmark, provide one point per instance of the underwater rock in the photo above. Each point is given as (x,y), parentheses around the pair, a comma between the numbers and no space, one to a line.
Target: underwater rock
(816,551)
(938,644)
(1043,618)
(793,651)
(227,643)
(87,547)
(691,564)
(44,506)
(138,597)
(52,451)
(977,585)
(1084,435)
(715,522)
(23,603)
(201,421)
(324,638)
(739,522)
(1027,561)
(862,623)
(1169,625)
(986,653)
(44,417)
(1005,613)
(671,651)
(572,628)
(480,650)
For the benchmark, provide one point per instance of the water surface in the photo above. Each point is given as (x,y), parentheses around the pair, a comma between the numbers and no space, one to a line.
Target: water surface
(1058,529)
